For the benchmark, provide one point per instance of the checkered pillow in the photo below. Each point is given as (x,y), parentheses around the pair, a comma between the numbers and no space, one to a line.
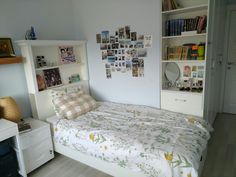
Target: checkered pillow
(72,105)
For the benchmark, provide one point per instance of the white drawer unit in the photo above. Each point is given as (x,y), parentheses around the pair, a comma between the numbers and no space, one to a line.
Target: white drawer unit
(36,145)
(187,103)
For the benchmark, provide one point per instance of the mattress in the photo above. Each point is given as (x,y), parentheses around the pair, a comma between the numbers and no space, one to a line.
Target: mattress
(156,142)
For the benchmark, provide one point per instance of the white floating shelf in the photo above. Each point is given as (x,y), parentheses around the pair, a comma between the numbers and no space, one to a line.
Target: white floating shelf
(186,9)
(179,91)
(183,36)
(44,68)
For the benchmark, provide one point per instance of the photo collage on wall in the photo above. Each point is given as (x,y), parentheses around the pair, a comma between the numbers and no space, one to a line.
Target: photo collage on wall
(125,51)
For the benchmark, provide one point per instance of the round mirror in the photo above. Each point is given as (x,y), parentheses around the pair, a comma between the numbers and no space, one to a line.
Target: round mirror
(172,72)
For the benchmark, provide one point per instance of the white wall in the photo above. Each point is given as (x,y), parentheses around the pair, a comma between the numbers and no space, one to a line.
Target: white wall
(53,19)
(93,16)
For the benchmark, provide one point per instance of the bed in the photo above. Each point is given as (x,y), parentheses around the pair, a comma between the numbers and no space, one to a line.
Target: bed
(134,141)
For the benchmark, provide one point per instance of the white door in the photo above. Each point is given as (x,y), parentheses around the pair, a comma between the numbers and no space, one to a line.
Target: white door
(230,78)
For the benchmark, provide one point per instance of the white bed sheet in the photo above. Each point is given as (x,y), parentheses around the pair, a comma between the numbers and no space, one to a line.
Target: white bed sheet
(158,143)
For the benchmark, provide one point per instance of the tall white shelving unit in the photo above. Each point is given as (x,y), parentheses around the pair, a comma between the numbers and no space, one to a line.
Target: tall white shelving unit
(171,97)
(30,49)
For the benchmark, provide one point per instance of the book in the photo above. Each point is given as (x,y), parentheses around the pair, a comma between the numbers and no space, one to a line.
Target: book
(24,127)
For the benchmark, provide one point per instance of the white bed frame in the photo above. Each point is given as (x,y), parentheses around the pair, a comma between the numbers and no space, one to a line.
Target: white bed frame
(106,167)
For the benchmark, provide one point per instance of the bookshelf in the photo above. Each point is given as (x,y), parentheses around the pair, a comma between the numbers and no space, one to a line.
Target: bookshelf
(184,45)
(53,64)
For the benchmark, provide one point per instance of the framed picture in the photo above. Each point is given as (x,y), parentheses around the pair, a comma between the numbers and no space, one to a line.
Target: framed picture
(52,77)
(6,48)
(67,55)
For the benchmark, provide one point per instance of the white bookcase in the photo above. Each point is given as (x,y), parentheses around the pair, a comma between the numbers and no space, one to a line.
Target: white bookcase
(172,98)
(30,49)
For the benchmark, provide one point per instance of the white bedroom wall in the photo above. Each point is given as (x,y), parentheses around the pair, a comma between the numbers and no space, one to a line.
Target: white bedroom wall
(53,19)
(92,17)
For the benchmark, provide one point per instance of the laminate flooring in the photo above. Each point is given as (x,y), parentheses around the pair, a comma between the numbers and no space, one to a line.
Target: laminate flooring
(220,161)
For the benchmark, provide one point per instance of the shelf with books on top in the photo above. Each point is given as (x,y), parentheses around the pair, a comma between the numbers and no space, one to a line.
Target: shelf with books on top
(185,9)
(184,36)
(183,61)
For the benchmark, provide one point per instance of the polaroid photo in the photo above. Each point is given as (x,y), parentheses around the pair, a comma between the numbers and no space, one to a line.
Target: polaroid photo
(111,59)
(112,39)
(200,68)
(147,41)
(105,37)
(104,54)
(194,74)
(127,32)
(133,36)
(108,66)
(138,45)
(110,52)
(121,33)
(108,73)
(194,68)
(103,46)
(140,37)
(98,38)
(200,74)
(115,46)
(142,53)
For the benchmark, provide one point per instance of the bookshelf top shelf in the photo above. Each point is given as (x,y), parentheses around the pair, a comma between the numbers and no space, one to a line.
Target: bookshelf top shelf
(186,9)
(182,36)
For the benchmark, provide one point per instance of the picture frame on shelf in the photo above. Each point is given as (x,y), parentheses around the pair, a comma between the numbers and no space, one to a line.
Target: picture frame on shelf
(52,77)
(41,81)
(67,55)
(6,48)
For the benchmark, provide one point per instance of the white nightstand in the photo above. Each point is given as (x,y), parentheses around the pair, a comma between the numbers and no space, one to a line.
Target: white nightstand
(36,144)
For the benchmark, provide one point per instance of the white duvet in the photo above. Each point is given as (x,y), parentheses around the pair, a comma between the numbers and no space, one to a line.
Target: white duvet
(155,142)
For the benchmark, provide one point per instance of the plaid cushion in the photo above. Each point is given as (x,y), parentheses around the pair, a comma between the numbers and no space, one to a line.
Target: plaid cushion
(72,105)
(62,92)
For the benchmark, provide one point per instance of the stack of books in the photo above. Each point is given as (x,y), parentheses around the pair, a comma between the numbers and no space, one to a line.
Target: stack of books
(185,52)
(179,27)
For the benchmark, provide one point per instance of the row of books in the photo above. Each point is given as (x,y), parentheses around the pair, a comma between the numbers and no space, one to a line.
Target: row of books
(169,5)
(176,27)
(186,52)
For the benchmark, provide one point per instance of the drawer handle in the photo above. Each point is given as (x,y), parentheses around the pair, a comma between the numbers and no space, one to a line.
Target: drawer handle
(183,100)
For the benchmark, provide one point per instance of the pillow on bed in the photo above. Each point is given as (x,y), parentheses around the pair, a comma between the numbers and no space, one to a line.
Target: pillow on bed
(71,105)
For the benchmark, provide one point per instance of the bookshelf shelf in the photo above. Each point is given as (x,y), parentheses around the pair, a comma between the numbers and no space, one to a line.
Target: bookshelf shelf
(186,9)
(183,36)
(184,61)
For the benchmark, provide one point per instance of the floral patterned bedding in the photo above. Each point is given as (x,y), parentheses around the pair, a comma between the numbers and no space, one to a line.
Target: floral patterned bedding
(155,142)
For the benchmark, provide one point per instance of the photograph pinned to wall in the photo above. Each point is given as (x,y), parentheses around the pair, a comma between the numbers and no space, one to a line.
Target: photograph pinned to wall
(133,36)
(127,32)
(67,55)
(140,67)
(108,73)
(135,65)
(104,54)
(128,65)
(112,39)
(142,53)
(111,59)
(140,37)
(105,37)
(103,46)
(115,46)
(107,66)
(138,45)
(98,38)
(52,77)
(187,71)
(121,33)
(110,53)
(134,53)
(200,67)
(147,41)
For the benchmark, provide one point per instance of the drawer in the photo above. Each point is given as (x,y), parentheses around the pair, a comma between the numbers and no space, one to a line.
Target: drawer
(34,137)
(37,155)
(187,103)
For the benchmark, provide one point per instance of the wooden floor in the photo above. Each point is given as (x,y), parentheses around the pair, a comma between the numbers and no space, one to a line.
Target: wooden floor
(220,162)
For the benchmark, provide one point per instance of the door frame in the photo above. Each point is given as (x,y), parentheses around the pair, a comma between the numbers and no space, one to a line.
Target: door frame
(229,8)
